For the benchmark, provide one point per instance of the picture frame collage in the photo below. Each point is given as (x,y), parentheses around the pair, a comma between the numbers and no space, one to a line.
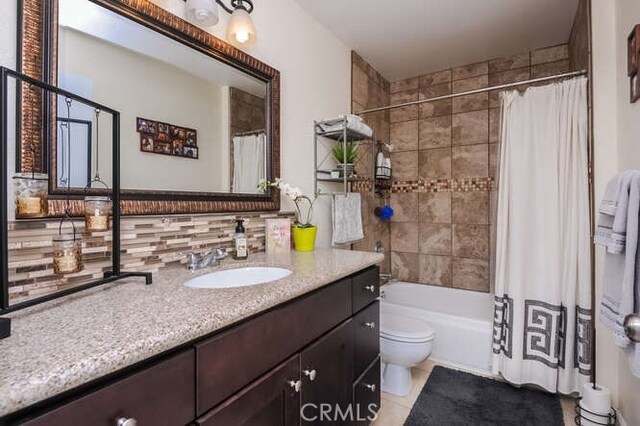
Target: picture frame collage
(633,60)
(157,137)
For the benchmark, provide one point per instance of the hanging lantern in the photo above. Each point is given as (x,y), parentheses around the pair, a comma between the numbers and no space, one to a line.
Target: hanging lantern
(96,213)
(31,192)
(67,253)
(97,209)
(67,246)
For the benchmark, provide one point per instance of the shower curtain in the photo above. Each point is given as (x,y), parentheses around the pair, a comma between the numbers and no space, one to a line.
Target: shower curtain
(249,162)
(542,315)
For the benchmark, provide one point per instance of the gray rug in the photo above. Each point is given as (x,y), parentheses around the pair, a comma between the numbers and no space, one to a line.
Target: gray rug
(452,398)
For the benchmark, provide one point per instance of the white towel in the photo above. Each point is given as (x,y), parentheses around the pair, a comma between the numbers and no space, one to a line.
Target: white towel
(621,267)
(620,224)
(347,218)
(607,211)
(354,123)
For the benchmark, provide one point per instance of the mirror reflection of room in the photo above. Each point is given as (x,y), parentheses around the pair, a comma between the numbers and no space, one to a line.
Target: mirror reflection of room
(181,110)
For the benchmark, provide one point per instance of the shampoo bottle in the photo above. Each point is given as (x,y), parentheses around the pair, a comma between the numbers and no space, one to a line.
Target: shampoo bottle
(240,242)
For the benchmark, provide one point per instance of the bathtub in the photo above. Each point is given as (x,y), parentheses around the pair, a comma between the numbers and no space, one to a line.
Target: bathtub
(462,320)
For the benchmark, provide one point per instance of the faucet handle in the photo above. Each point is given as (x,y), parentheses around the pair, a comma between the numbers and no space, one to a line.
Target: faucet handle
(192,261)
(219,253)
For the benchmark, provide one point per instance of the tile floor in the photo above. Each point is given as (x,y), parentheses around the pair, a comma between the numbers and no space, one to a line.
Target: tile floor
(394,410)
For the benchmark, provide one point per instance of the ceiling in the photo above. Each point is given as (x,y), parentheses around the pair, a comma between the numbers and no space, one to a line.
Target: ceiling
(406,38)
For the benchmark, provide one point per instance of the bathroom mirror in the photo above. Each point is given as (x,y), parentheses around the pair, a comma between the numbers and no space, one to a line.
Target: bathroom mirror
(199,118)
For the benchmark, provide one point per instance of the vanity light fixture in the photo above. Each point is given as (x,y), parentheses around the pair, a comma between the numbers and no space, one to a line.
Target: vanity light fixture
(240,32)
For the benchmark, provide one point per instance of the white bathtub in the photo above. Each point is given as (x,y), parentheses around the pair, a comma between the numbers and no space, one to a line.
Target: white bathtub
(462,320)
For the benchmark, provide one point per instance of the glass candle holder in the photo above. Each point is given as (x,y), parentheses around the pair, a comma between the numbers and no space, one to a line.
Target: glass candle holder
(31,192)
(96,213)
(67,254)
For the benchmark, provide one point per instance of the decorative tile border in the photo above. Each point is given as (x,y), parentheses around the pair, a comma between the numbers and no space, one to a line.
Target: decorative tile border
(483,184)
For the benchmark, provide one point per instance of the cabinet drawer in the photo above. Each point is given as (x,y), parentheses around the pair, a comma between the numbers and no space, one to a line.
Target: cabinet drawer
(365,288)
(231,360)
(160,395)
(270,400)
(366,337)
(366,394)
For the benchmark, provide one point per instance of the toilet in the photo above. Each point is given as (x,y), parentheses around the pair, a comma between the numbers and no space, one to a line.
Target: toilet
(405,341)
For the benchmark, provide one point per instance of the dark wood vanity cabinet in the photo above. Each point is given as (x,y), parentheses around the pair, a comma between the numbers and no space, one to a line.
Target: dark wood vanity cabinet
(313,360)
(162,394)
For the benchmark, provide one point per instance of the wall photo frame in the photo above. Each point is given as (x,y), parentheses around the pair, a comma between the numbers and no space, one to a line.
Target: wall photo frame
(633,63)
(157,137)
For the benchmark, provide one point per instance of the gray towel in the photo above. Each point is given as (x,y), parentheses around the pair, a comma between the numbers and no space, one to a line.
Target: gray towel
(347,218)
(621,274)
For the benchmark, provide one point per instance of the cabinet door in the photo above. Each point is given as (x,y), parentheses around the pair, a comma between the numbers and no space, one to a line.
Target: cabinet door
(366,394)
(367,337)
(327,378)
(273,399)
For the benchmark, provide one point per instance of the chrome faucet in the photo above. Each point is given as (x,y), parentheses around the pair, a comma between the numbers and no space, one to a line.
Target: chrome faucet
(212,258)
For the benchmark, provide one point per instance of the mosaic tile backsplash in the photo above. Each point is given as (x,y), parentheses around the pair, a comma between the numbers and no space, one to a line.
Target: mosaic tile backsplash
(148,243)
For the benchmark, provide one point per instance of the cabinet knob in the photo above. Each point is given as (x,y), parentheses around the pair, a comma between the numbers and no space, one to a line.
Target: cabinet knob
(123,421)
(295,385)
(372,387)
(371,288)
(311,374)
(371,325)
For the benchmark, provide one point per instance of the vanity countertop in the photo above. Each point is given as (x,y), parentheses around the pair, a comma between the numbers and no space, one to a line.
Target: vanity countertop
(65,343)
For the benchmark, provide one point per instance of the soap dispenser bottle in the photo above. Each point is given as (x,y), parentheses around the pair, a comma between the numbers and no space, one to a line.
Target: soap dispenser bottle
(240,251)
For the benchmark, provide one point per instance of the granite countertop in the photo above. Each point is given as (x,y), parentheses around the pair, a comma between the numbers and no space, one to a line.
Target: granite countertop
(65,343)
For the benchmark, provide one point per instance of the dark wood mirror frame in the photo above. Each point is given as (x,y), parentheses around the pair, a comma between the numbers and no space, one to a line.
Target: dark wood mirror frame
(37,24)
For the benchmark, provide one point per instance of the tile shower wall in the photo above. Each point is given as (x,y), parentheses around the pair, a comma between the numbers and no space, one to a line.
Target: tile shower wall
(246,112)
(370,90)
(148,243)
(444,160)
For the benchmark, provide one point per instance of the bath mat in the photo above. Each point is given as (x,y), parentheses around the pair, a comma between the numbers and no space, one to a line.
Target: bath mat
(454,398)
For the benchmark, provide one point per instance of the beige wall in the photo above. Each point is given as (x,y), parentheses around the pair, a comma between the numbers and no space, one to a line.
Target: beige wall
(617,147)
(139,86)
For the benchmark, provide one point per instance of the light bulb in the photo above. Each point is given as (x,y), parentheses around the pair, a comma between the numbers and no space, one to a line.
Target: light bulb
(241,32)
(242,36)
(203,12)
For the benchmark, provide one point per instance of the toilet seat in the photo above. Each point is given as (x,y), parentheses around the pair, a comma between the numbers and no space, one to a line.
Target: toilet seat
(402,328)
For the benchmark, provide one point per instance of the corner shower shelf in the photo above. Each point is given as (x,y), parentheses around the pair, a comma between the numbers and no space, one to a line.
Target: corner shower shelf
(326,139)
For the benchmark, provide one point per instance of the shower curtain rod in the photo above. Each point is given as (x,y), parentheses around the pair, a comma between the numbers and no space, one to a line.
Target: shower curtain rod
(473,92)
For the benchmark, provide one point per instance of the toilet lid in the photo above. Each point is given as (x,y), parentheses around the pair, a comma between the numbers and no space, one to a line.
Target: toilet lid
(401,327)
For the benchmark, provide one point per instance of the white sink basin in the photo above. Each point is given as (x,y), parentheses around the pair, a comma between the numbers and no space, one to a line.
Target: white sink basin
(239,277)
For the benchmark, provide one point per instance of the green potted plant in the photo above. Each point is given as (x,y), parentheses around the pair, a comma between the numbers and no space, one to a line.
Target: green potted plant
(345,155)
(303,231)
